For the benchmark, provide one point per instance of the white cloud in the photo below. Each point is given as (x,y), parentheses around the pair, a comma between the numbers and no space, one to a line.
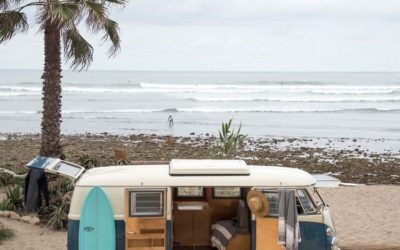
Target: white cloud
(242,35)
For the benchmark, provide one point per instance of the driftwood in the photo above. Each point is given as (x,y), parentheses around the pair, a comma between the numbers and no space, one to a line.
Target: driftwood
(21,176)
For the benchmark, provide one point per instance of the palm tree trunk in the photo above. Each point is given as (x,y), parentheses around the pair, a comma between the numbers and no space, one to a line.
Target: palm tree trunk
(51,119)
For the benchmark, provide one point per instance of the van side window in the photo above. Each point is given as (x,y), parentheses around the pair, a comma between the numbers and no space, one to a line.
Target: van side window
(227,192)
(190,192)
(146,203)
(306,202)
(273,201)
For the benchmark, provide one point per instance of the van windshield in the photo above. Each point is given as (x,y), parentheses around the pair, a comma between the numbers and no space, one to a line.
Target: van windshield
(306,202)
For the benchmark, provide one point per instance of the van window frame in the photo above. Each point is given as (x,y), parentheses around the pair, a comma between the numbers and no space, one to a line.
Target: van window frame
(310,198)
(266,190)
(227,197)
(271,191)
(177,197)
(162,192)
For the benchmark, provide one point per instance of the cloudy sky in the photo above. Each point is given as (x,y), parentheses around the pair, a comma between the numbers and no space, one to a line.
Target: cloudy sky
(259,35)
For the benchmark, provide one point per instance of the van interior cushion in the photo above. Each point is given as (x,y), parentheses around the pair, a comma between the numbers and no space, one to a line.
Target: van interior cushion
(242,216)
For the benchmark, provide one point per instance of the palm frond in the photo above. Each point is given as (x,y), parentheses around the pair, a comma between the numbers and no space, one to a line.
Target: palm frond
(8,4)
(11,23)
(116,2)
(111,30)
(97,14)
(77,49)
(59,13)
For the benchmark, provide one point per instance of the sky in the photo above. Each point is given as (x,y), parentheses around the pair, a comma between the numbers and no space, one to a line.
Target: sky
(239,35)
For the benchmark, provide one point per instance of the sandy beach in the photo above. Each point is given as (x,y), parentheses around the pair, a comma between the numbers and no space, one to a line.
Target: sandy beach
(366,216)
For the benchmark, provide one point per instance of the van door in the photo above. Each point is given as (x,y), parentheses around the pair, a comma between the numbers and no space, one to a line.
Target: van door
(312,228)
(145,219)
(267,227)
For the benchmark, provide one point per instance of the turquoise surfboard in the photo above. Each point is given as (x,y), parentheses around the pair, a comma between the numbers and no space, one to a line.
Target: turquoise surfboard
(96,226)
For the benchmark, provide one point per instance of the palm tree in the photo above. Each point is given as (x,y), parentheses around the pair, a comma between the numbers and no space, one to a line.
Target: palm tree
(59,20)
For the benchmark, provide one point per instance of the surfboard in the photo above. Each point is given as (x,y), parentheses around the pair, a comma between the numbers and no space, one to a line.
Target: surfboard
(97,226)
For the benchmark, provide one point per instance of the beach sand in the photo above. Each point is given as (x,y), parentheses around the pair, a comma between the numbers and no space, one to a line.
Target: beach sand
(366,217)
(31,237)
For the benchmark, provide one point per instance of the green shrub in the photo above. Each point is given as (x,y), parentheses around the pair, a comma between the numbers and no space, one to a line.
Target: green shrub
(5,233)
(6,180)
(65,186)
(13,199)
(229,140)
(88,162)
(59,216)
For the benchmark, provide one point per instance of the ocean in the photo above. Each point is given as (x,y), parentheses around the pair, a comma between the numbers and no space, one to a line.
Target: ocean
(288,104)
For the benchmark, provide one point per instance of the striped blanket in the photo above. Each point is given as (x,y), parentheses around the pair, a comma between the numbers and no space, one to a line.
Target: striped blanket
(288,223)
(222,232)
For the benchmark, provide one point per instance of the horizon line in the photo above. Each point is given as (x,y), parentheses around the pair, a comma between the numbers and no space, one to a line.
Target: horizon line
(220,71)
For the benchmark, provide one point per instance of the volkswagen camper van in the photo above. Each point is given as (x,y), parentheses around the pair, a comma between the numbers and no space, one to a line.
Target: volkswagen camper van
(181,205)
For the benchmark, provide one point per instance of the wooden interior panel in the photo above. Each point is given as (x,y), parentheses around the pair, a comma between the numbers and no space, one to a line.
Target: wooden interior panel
(144,233)
(239,242)
(192,226)
(217,209)
(267,234)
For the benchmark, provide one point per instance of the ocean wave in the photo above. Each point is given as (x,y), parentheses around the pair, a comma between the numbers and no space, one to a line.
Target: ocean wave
(143,87)
(11,94)
(106,113)
(27,112)
(297,99)
(360,91)
(13,88)
(229,110)
(238,89)
(333,88)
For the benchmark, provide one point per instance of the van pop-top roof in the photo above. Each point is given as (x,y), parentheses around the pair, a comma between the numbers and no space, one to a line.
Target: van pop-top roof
(159,176)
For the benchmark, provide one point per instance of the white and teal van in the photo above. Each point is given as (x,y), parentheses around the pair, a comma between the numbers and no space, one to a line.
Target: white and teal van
(176,206)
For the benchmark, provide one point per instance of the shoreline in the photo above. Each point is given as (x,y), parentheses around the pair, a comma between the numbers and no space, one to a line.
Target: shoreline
(350,163)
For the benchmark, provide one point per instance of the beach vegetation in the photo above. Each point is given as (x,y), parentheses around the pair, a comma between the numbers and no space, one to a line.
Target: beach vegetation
(59,216)
(229,140)
(5,233)
(6,180)
(61,186)
(88,162)
(13,199)
(59,22)
(10,176)
(60,190)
